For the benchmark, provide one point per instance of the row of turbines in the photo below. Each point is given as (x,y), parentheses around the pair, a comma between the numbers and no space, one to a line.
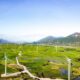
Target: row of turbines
(68,60)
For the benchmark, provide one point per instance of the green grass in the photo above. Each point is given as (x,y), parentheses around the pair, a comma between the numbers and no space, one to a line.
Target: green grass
(41,60)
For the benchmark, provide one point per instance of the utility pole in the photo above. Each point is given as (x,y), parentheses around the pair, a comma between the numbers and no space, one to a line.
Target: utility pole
(5,64)
(69,68)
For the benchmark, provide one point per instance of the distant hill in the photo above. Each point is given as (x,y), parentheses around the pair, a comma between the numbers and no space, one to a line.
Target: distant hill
(75,35)
(48,39)
(73,39)
(3,41)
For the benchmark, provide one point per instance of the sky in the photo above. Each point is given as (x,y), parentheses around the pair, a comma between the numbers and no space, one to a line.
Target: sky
(31,20)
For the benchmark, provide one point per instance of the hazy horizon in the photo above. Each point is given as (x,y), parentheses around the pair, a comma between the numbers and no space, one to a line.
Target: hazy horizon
(29,37)
(32,20)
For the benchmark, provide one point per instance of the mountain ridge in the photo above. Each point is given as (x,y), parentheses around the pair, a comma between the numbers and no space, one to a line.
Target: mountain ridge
(72,39)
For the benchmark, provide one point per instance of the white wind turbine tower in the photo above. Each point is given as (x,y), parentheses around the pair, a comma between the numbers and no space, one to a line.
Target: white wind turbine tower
(37,48)
(69,68)
(56,46)
(20,53)
(5,56)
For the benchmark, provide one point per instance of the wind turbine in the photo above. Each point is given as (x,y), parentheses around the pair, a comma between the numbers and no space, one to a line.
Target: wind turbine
(37,48)
(69,68)
(20,53)
(56,46)
(5,56)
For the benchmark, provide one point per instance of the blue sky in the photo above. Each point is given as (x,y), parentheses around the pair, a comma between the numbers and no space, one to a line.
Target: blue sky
(31,20)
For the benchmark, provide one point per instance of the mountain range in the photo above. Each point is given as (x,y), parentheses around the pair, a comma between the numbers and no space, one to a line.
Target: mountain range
(4,41)
(72,39)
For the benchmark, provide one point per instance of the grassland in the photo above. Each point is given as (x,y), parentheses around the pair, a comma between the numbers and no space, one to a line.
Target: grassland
(42,60)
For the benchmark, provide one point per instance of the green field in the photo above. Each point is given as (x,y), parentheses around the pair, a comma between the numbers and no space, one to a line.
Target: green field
(41,60)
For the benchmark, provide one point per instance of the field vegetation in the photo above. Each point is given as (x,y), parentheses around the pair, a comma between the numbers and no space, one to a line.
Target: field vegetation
(41,60)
